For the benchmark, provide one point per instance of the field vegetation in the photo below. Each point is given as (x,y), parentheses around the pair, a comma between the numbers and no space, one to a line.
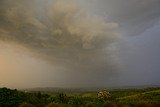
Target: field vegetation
(148,97)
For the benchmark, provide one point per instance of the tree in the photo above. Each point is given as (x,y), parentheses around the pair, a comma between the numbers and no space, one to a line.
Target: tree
(104,95)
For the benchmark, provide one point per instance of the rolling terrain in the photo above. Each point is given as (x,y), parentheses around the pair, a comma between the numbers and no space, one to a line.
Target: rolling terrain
(61,97)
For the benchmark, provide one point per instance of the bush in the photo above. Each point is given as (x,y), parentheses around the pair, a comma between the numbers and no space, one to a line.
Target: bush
(62,98)
(104,95)
(76,101)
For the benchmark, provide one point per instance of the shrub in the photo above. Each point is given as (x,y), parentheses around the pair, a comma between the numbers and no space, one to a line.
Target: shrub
(62,98)
(104,95)
(76,101)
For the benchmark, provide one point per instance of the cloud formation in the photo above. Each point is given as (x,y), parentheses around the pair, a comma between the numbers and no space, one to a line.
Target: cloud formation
(64,34)
(134,16)
(66,40)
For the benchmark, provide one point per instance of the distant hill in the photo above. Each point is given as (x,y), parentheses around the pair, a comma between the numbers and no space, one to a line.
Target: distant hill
(89,89)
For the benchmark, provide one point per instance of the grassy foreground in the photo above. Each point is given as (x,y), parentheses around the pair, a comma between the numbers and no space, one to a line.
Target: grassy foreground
(148,97)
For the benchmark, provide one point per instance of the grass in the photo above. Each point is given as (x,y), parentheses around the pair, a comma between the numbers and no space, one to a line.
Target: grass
(148,97)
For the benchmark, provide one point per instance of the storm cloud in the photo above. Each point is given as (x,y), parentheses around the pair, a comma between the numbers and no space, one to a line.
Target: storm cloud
(62,33)
(71,43)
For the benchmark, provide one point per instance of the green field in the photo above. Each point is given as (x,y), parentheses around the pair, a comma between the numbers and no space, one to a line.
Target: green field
(146,97)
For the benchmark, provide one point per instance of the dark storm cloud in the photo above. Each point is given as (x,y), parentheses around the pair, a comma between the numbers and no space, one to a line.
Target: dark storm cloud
(61,32)
(77,37)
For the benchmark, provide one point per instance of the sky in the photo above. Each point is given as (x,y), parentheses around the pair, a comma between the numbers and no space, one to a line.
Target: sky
(79,43)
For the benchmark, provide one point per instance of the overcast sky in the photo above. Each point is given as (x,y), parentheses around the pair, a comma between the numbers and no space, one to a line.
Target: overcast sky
(79,43)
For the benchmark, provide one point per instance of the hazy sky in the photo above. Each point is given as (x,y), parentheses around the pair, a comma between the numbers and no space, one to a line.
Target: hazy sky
(79,43)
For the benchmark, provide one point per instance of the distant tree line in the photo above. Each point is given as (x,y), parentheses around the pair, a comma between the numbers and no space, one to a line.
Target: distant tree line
(14,98)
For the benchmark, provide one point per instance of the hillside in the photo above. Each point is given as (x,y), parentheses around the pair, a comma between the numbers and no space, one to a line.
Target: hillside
(56,97)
